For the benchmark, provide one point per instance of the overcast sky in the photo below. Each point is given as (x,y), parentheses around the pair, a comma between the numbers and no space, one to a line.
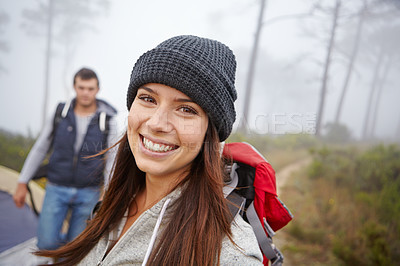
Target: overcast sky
(286,88)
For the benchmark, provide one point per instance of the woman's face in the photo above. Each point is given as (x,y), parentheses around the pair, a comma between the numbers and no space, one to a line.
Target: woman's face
(166,130)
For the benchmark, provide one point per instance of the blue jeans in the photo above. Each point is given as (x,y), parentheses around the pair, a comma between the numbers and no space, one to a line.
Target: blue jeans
(57,201)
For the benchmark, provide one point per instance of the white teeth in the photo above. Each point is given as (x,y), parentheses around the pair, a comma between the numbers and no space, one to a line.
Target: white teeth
(148,144)
(156,147)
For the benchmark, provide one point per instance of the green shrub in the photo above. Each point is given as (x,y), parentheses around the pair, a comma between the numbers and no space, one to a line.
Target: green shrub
(345,250)
(13,149)
(309,234)
(337,133)
(316,169)
(378,166)
(373,238)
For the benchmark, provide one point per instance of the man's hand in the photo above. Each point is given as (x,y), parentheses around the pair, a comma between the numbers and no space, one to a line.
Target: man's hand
(20,195)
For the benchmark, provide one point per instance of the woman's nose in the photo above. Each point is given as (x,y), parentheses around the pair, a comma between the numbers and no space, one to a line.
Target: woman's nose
(159,121)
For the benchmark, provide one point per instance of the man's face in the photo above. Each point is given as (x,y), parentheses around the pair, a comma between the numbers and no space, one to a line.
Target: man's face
(86,91)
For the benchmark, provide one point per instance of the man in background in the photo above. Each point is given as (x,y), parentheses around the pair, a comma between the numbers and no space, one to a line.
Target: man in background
(78,129)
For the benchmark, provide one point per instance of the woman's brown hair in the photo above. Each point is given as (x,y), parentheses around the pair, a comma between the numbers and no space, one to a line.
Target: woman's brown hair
(200,220)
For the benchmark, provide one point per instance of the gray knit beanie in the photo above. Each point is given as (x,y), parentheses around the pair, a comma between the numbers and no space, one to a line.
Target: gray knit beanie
(201,68)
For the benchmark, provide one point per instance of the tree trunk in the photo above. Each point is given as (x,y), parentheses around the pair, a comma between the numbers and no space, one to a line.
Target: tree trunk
(397,133)
(371,94)
(250,73)
(326,70)
(378,97)
(47,60)
(350,66)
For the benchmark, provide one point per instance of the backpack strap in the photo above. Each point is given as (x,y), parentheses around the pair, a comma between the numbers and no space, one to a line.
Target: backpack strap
(228,188)
(102,121)
(65,109)
(61,113)
(264,241)
(104,125)
(235,204)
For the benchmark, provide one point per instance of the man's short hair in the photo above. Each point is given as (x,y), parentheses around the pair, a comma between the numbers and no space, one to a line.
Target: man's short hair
(85,74)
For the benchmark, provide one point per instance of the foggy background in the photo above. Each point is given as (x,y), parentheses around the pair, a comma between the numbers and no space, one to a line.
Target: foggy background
(109,36)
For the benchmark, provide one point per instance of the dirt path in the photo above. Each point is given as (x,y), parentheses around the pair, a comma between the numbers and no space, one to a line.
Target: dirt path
(282,177)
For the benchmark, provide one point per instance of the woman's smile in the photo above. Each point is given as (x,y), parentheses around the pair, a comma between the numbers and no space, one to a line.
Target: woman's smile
(157,146)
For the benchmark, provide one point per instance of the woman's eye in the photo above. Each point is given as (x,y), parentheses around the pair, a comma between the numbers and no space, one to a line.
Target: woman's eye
(147,98)
(189,110)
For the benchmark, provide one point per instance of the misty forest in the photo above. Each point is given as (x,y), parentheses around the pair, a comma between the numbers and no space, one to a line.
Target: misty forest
(320,99)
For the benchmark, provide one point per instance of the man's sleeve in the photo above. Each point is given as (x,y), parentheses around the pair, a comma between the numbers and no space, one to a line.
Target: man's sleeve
(37,153)
(112,138)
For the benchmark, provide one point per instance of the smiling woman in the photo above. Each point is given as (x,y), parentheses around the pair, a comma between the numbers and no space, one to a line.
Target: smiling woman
(165,203)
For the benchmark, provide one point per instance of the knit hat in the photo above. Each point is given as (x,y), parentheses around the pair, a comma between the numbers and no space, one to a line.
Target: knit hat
(201,68)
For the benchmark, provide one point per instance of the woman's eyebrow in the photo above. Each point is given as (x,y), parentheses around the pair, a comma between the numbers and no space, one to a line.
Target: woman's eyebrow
(184,100)
(149,90)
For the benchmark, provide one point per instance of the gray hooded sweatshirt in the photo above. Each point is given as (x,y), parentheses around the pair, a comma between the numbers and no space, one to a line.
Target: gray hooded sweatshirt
(135,246)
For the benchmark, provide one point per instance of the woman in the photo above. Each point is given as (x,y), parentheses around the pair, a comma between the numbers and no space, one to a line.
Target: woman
(165,204)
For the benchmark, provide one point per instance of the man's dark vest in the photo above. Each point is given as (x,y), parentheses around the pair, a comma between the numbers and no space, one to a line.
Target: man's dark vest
(75,170)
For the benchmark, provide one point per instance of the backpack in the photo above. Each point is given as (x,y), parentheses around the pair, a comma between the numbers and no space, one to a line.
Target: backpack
(252,191)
